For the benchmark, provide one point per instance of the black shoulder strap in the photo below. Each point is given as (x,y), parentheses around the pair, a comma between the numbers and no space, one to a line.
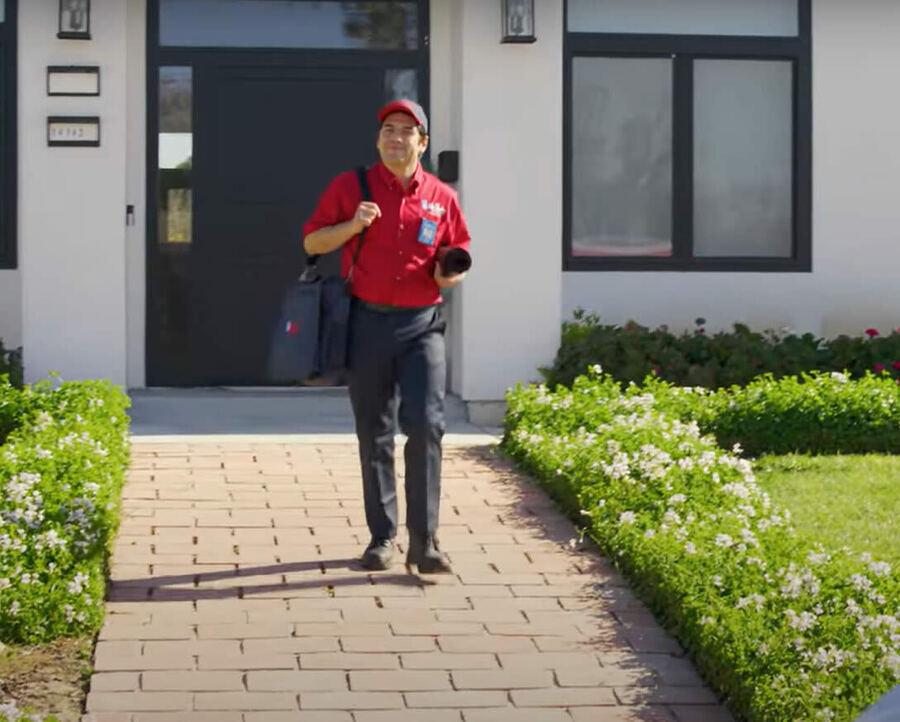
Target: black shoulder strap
(366,196)
(362,178)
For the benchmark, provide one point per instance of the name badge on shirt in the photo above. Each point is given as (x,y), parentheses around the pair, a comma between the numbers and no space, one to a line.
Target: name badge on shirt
(427,232)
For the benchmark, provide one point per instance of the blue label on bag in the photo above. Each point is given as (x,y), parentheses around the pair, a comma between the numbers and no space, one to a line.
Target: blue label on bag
(427,232)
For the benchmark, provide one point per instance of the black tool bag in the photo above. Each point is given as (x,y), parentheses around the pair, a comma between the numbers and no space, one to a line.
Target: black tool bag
(310,338)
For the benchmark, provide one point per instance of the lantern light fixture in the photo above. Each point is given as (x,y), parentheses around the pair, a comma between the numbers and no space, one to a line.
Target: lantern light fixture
(518,21)
(74,19)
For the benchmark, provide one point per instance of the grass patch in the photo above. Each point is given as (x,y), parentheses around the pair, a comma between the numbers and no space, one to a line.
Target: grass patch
(840,501)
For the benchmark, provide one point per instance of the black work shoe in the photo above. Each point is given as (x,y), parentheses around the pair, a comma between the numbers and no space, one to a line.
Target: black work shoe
(424,553)
(377,556)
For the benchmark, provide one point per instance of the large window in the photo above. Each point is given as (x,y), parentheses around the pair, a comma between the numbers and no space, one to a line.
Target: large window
(688,128)
(7,134)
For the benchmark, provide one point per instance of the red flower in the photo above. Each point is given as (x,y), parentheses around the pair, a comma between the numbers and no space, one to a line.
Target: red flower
(896,365)
(871,332)
(879,367)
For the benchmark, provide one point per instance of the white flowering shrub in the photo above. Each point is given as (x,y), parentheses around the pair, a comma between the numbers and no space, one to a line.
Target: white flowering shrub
(62,466)
(784,629)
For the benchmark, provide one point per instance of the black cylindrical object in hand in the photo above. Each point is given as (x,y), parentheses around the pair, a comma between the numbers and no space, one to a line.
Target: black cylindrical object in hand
(454,260)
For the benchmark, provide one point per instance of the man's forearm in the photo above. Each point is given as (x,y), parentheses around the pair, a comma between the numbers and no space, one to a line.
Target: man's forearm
(448,281)
(326,240)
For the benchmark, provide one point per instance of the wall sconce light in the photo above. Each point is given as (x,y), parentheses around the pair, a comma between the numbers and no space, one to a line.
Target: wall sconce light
(518,21)
(74,19)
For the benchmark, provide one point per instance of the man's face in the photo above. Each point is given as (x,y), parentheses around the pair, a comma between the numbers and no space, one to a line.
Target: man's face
(399,140)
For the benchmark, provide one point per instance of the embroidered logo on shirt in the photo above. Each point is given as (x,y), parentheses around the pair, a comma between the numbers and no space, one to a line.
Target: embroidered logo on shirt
(436,209)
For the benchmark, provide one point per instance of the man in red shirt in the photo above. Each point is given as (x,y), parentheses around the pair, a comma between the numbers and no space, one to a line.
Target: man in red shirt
(396,326)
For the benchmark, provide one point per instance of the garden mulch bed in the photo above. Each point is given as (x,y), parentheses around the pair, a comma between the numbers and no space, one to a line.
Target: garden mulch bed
(48,678)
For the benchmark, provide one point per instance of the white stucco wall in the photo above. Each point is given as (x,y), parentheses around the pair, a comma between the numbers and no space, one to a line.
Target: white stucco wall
(443,118)
(10,308)
(510,104)
(856,206)
(72,201)
(136,194)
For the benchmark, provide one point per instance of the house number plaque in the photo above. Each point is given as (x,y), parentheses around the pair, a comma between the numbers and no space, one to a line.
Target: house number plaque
(73,130)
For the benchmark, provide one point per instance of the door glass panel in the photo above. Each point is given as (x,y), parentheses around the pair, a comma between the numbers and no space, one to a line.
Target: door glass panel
(687,17)
(743,158)
(622,157)
(171,277)
(289,24)
(175,154)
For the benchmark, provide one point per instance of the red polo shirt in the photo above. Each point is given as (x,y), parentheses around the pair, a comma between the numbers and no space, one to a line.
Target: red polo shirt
(396,263)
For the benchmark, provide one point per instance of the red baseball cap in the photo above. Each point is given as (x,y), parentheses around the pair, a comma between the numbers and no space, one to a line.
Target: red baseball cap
(410,107)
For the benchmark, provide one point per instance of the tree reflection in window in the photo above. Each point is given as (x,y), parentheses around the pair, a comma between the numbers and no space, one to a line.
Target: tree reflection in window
(382,24)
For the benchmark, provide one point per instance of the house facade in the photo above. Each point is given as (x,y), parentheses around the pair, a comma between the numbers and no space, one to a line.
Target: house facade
(655,160)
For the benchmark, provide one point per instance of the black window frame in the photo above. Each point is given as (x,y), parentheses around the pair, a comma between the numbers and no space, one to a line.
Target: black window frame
(684,50)
(8,139)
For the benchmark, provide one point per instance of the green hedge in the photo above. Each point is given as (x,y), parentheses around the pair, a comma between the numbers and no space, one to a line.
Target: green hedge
(818,413)
(62,466)
(631,352)
(784,629)
(11,364)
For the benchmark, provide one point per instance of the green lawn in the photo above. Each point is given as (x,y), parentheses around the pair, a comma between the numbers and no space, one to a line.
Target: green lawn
(840,500)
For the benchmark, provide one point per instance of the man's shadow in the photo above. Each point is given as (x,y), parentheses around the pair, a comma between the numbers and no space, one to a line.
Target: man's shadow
(173,587)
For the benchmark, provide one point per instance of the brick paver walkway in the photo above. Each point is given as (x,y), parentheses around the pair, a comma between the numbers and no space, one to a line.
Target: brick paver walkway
(236,597)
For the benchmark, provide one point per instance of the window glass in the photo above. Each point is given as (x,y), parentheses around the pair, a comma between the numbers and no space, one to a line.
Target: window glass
(622,157)
(688,17)
(289,24)
(743,158)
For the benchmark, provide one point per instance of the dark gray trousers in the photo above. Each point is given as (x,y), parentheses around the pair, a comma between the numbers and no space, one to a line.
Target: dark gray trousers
(398,356)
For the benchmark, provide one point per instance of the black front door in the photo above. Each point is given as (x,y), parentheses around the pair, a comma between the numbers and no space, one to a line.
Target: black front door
(271,137)
(253,107)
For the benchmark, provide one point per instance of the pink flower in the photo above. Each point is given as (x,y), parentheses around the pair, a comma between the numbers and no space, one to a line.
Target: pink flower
(871,332)
(896,365)
(879,367)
